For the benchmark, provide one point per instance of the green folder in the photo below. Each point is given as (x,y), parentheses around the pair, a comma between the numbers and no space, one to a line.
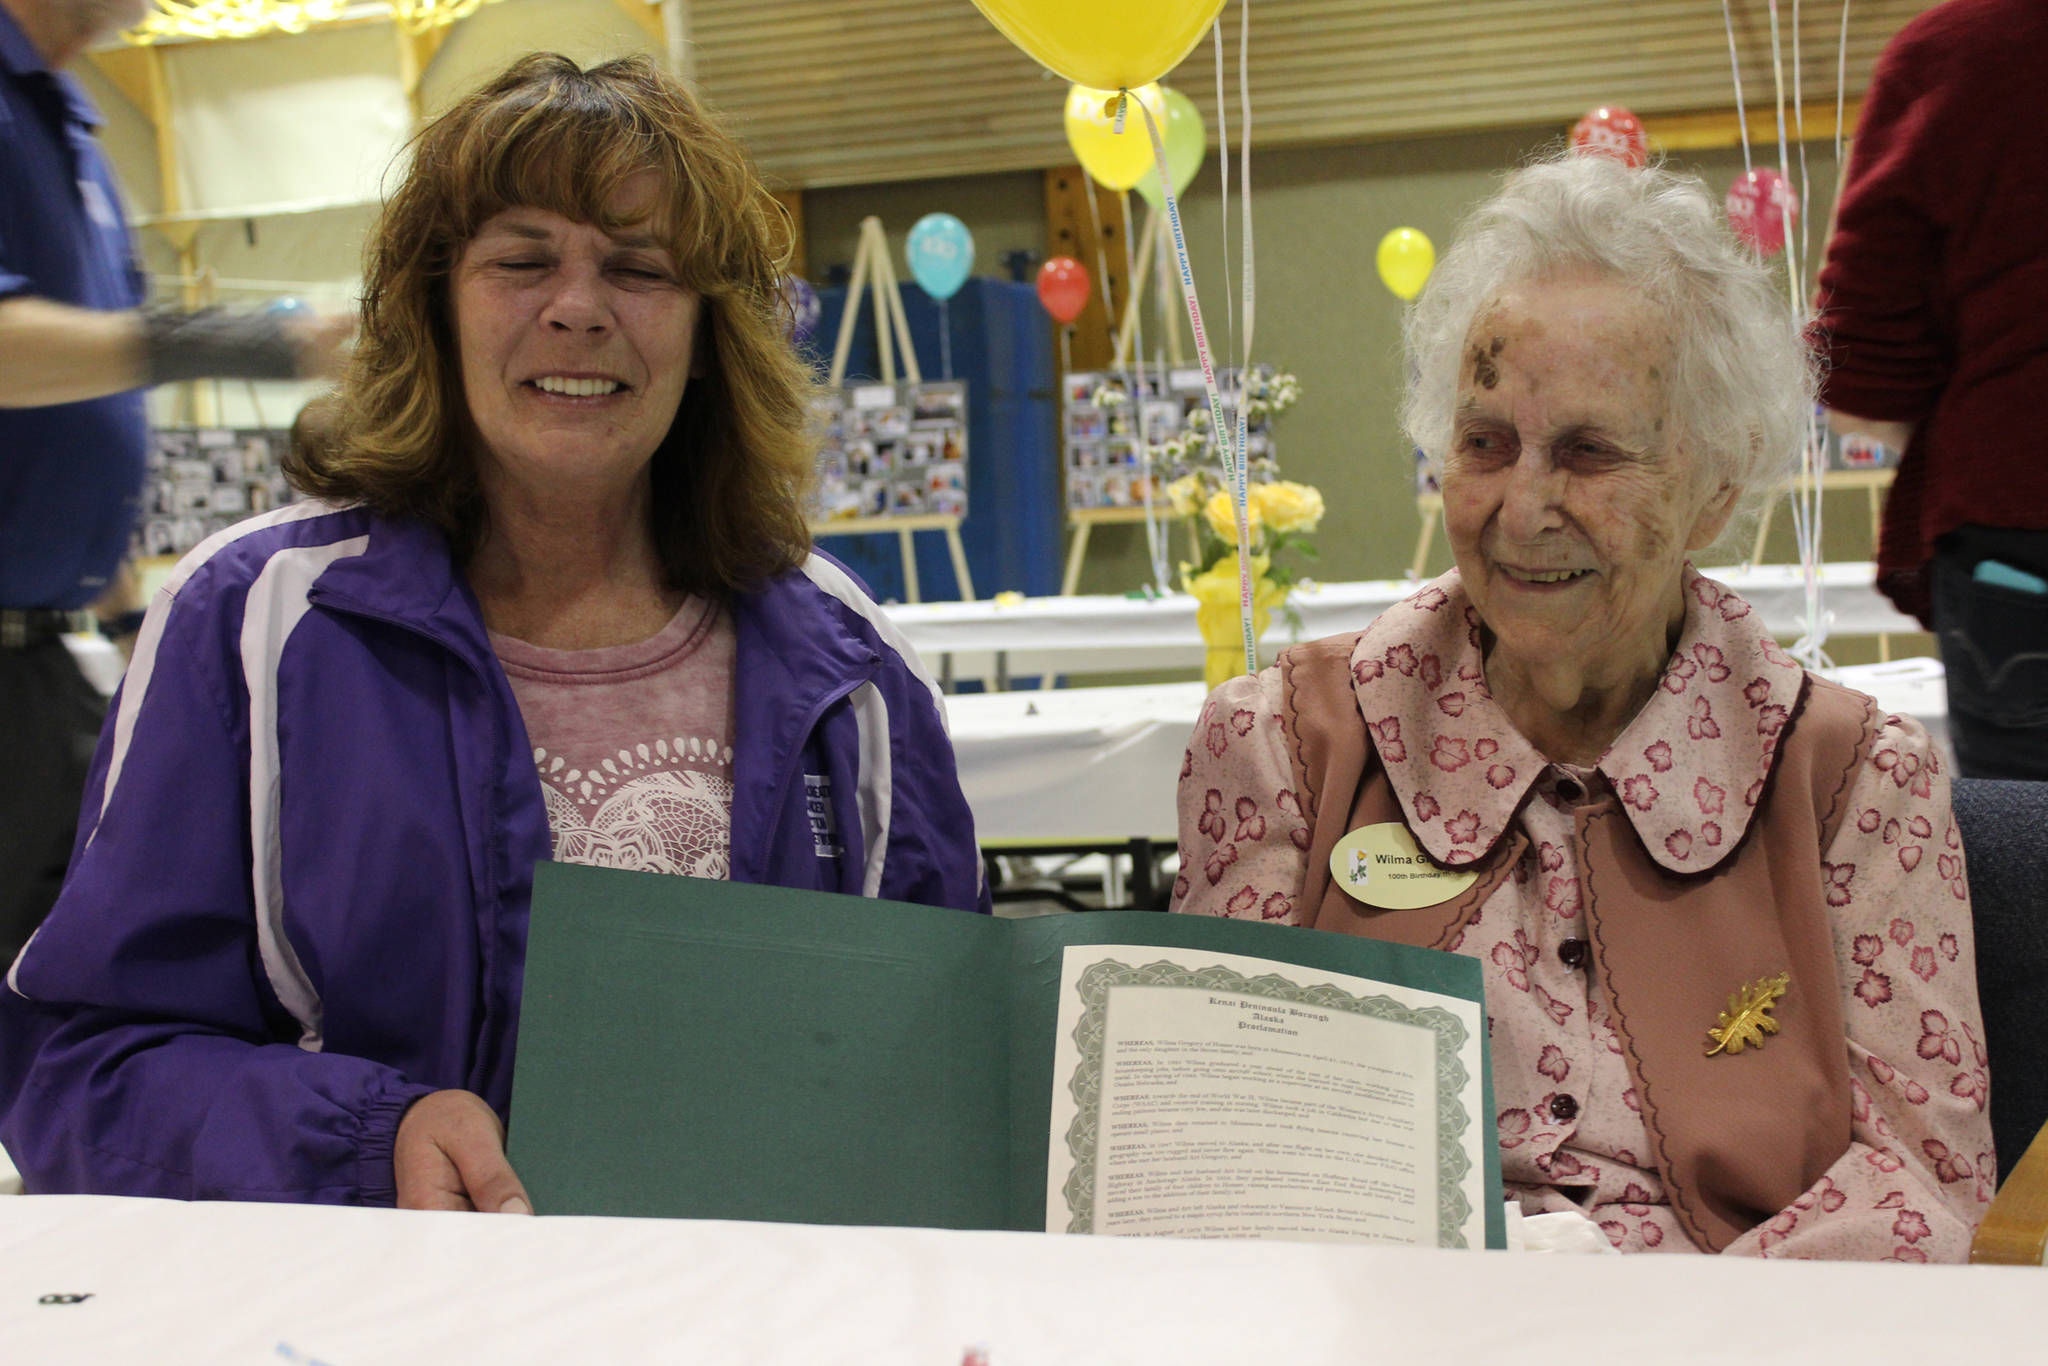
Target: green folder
(713,1050)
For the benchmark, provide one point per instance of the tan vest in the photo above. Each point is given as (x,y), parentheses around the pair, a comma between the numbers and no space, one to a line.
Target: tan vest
(1736,1137)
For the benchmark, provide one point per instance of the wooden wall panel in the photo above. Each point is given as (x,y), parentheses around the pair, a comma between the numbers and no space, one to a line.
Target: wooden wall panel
(1071,230)
(844,92)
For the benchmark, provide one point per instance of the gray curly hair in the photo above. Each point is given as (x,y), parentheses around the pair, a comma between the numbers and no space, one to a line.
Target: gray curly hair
(1742,382)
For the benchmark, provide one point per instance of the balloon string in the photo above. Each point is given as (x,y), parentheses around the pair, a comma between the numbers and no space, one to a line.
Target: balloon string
(1816,434)
(1232,463)
(1244,201)
(1806,499)
(1814,645)
(1783,202)
(1101,259)
(945,342)
(1735,68)
(1161,359)
(1167,321)
(1223,174)
(1805,178)
(1155,531)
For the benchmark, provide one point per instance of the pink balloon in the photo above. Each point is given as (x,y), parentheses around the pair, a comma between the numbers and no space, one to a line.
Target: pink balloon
(1762,208)
(1612,131)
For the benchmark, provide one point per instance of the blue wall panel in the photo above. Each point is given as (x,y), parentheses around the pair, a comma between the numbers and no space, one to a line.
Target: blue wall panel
(1002,346)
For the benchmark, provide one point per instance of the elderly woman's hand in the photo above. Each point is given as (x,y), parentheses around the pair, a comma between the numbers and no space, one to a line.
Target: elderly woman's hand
(450,1154)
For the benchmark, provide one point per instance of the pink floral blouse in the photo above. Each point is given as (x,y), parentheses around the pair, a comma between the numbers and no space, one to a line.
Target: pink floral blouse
(1689,770)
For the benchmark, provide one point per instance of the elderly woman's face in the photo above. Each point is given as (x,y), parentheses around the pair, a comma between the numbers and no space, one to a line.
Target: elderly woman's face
(575,347)
(1569,509)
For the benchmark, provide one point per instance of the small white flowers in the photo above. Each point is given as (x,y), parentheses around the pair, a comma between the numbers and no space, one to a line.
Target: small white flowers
(1269,394)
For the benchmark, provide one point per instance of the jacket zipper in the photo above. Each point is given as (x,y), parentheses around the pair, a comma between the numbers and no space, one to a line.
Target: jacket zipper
(492,854)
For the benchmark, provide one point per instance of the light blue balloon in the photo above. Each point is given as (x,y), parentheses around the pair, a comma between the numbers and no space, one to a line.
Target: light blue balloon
(941,253)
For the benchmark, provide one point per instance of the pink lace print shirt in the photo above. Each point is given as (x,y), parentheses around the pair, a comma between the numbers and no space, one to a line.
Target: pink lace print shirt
(633,744)
(1688,769)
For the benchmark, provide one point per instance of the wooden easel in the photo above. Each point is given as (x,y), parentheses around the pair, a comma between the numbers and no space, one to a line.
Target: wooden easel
(1872,482)
(1430,508)
(872,267)
(1081,521)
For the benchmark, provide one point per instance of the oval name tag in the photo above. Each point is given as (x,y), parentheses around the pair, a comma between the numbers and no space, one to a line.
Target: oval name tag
(1382,866)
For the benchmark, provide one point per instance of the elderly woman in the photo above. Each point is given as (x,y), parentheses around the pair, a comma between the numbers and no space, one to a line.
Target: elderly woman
(560,519)
(1628,802)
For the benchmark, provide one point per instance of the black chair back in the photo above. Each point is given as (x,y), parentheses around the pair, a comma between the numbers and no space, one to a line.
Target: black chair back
(2005,845)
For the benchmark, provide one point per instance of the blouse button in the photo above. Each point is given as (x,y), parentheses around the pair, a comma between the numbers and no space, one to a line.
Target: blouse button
(1570,789)
(1563,1109)
(1572,953)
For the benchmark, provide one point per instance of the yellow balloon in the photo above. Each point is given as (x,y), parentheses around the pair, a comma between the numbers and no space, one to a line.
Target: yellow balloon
(1107,44)
(1405,260)
(1117,160)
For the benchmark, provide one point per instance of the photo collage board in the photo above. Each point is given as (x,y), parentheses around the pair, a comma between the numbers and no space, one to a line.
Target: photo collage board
(893,450)
(1104,465)
(200,480)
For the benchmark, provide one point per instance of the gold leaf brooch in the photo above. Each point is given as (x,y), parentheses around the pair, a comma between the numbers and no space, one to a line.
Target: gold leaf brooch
(1748,1016)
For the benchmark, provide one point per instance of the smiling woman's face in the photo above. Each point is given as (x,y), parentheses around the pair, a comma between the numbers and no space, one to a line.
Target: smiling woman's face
(575,347)
(1568,503)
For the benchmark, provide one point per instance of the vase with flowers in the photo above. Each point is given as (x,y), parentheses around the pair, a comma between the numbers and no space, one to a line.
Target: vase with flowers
(1281,518)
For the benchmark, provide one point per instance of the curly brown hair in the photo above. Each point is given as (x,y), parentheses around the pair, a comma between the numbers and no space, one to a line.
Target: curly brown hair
(731,477)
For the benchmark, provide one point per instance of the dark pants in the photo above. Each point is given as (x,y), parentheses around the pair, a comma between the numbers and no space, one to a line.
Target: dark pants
(1994,647)
(49,722)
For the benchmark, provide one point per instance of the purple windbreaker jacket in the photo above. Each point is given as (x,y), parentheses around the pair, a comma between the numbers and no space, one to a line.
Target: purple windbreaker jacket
(299,896)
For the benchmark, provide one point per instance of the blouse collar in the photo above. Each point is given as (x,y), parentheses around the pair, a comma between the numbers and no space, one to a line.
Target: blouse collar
(1688,770)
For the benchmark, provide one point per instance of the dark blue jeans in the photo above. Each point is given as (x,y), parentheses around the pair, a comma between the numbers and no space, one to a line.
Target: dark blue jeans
(1994,647)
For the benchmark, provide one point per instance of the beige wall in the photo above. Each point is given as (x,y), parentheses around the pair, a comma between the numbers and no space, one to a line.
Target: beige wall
(590,31)
(863,92)
(1321,310)
(1319,213)
(1005,212)
(1322,313)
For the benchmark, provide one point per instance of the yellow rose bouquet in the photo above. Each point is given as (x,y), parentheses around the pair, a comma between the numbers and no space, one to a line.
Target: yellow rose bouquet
(1281,518)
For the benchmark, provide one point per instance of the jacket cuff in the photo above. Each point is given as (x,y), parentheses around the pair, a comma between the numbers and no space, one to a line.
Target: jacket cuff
(376,1137)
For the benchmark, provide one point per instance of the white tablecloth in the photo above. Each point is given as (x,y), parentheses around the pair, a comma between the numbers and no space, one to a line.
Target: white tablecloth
(1073,763)
(1102,634)
(219,1283)
(1100,763)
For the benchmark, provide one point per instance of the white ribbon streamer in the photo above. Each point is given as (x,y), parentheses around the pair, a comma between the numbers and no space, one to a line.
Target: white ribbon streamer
(1232,456)
(1244,199)
(1735,69)
(1155,529)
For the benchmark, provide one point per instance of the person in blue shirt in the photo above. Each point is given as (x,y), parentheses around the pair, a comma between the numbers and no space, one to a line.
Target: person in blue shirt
(77,348)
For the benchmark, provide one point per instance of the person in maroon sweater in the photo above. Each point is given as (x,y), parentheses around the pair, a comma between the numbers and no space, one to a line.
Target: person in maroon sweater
(1934,327)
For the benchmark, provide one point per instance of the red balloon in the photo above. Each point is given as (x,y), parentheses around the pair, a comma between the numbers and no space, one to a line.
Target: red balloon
(1063,288)
(1611,131)
(1762,208)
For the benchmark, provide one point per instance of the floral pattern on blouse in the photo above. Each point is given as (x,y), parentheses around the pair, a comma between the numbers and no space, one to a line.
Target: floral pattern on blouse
(1688,771)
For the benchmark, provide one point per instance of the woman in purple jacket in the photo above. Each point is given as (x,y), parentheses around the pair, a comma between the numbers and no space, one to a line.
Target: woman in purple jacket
(559,520)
